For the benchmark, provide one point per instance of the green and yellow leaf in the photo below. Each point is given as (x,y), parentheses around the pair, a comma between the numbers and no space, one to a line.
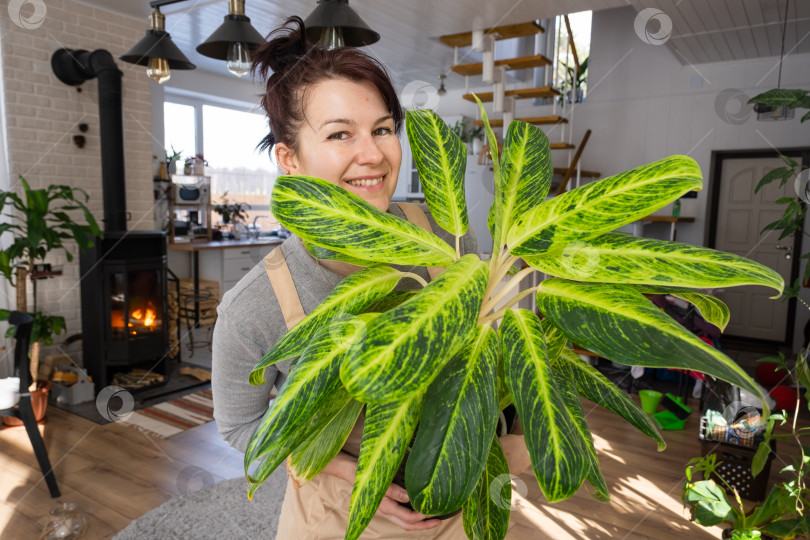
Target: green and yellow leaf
(406,347)
(326,254)
(525,176)
(617,322)
(310,384)
(441,159)
(574,406)
(711,308)
(601,206)
(591,384)
(322,445)
(459,416)
(327,215)
(485,513)
(387,432)
(351,296)
(623,258)
(554,448)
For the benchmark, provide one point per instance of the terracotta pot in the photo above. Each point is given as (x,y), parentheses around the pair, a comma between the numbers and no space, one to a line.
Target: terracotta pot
(39,402)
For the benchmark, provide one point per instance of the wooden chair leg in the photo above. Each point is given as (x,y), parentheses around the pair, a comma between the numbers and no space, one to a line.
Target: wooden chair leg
(41,453)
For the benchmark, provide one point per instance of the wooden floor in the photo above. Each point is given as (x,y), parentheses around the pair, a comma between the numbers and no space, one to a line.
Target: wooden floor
(115,474)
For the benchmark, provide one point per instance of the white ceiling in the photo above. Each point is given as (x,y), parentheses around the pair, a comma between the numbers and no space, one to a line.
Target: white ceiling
(702,30)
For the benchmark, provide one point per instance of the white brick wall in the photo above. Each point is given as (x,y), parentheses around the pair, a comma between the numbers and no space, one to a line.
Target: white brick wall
(42,116)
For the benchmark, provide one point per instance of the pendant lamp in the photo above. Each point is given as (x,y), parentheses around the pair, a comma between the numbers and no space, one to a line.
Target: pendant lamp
(334,24)
(157,51)
(234,41)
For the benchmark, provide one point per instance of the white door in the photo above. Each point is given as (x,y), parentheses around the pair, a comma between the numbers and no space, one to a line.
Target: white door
(741,216)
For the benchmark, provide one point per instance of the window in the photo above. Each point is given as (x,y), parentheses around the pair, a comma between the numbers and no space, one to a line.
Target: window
(227,137)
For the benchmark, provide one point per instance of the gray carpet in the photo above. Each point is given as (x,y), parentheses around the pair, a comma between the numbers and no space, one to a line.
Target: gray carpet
(215,512)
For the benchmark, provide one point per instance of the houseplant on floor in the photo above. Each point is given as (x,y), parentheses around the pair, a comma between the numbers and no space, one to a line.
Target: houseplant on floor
(41,221)
(434,358)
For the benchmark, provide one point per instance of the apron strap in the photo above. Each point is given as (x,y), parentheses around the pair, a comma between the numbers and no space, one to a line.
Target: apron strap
(416,215)
(280,278)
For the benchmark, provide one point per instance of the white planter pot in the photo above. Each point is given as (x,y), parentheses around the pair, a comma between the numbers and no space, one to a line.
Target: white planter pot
(9,392)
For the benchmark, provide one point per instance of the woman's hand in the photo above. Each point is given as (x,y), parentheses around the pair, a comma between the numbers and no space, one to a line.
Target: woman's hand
(344,466)
(402,517)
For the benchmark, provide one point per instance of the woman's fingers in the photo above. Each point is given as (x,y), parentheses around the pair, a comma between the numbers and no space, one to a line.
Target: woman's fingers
(401,516)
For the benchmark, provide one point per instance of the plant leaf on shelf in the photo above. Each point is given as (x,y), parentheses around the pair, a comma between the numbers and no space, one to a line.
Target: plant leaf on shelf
(327,215)
(485,513)
(554,448)
(405,348)
(459,416)
(525,176)
(624,258)
(617,322)
(441,159)
(387,432)
(599,207)
(592,385)
(351,296)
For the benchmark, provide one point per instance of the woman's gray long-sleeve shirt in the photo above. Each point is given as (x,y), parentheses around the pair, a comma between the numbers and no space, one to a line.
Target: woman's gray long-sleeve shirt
(250,322)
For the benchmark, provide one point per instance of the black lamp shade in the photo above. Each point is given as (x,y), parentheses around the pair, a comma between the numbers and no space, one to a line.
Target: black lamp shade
(235,29)
(337,13)
(157,44)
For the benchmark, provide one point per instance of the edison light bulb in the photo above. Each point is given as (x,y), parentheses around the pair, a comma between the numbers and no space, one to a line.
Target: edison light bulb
(238,60)
(158,70)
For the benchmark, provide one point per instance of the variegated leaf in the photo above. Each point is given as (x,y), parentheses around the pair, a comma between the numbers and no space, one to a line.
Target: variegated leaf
(310,384)
(555,339)
(553,446)
(574,406)
(711,308)
(591,384)
(351,296)
(387,432)
(617,322)
(624,258)
(326,254)
(406,347)
(322,445)
(492,142)
(599,207)
(525,176)
(391,301)
(459,416)
(485,513)
(327,215)
(441,159)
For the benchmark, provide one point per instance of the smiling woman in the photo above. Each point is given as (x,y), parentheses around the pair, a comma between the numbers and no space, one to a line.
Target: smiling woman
(335,116)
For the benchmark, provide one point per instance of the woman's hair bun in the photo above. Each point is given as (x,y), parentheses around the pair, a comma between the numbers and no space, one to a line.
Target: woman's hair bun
(284,46)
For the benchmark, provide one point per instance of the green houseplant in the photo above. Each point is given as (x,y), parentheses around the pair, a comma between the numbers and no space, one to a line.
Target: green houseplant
(41,222)
(433,356)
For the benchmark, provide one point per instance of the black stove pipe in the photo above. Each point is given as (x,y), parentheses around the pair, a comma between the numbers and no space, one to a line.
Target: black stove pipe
(74,67)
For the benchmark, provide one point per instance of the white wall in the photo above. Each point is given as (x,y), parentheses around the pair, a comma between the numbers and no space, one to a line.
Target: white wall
(42,116)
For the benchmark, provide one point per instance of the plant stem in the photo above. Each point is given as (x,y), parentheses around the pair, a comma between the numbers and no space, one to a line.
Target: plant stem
(512,301)
(497,271)
(415,277)
(491,302)
(458,247)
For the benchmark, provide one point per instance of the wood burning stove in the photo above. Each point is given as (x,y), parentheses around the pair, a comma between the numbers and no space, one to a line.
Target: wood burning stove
(124,310)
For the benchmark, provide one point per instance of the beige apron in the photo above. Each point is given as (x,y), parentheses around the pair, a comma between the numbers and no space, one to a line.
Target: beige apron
(319,509)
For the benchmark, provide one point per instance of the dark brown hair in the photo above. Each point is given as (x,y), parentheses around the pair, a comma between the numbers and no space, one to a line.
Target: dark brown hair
(296,65)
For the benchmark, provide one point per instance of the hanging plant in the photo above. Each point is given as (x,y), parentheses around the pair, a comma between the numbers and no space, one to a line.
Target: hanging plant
(434,358)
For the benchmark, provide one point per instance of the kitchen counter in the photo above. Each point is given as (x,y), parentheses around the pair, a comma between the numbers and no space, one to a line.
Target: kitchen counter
(224,244)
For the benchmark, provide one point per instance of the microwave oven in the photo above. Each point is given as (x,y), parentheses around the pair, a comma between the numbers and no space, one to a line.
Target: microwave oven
(190,193)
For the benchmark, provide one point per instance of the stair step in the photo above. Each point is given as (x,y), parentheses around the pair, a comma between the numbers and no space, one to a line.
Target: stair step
(561,146)
(521,93)
(584,174)
(537,120)
(523,62)
(464,39)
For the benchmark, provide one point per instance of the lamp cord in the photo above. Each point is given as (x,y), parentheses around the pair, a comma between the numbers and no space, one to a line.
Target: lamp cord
(782,51)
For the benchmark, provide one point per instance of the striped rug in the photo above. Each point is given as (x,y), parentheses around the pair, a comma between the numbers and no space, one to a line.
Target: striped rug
(174,416)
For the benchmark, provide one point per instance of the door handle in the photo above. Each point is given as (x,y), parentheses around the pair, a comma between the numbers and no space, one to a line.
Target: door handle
(787,249)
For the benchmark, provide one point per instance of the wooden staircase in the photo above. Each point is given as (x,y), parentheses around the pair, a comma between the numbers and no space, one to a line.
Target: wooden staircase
(465,39)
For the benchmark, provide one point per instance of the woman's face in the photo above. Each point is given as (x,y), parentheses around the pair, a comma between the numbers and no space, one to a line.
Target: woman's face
(347,138)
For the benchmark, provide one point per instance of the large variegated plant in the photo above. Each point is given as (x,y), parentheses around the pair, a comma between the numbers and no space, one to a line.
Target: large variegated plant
(434,363)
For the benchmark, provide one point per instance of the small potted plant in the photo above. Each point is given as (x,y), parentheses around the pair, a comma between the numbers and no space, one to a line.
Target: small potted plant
(40,221)
(232,213)
(171,161)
